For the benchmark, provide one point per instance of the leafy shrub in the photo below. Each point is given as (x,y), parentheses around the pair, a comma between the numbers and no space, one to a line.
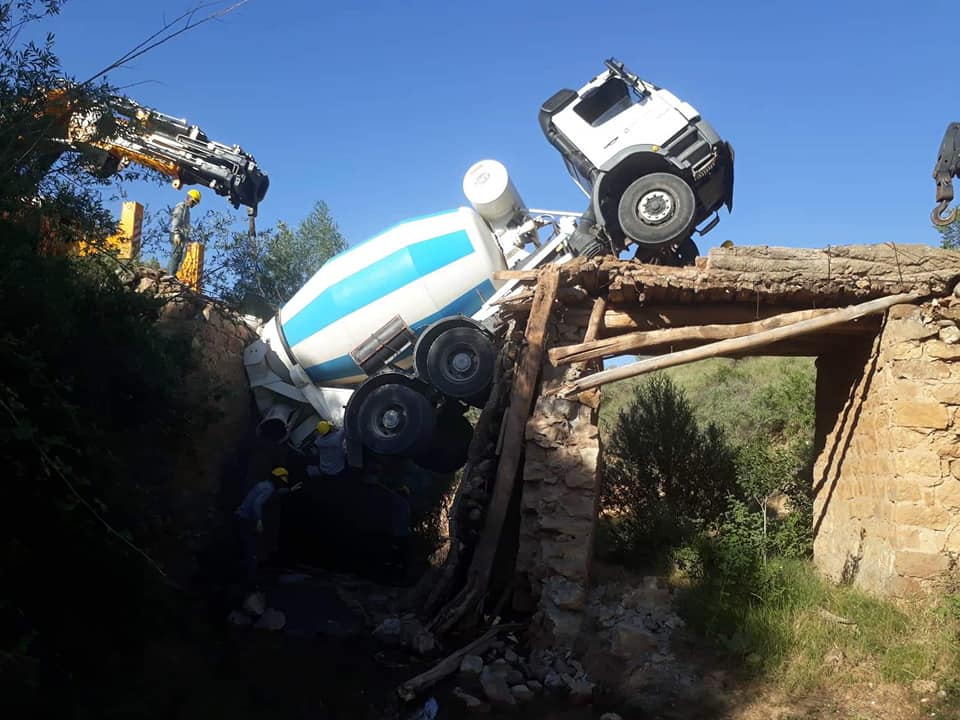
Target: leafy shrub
(664,479)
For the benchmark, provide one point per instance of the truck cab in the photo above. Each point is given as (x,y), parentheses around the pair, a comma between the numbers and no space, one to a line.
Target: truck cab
(653,169)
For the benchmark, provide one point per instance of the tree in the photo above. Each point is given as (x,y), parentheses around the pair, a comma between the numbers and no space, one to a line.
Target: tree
(950,234)
(267,269)
(665,478)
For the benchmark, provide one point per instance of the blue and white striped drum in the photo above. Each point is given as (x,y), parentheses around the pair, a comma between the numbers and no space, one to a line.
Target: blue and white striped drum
(422,269)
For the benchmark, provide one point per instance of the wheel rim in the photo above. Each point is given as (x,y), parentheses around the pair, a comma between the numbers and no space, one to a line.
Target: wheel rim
(656,207)
(396,420)
(460,363)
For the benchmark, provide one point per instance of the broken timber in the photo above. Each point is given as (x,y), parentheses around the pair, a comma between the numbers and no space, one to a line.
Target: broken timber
(515,420)
(738,344)
(609,347)
(451,663)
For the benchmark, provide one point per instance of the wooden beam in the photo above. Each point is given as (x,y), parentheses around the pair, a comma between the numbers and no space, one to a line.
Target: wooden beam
(737,345)
(594,326)
(624,344)
(514,423)
(523,275)
(451,663)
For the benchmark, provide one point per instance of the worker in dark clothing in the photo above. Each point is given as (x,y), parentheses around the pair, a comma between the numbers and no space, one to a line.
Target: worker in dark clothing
(248,517)
(327,455)
(180,229)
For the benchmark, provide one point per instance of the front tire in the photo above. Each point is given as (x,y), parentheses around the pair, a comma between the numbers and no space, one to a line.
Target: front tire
(657,209)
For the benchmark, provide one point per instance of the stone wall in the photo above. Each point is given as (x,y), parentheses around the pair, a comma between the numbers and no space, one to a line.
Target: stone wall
(559,499)
(887,482)
(210,468)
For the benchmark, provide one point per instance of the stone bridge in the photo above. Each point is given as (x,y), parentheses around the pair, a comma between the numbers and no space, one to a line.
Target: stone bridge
(887,477)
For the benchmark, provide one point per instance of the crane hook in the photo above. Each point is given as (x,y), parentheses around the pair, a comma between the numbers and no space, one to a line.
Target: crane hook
(938,217)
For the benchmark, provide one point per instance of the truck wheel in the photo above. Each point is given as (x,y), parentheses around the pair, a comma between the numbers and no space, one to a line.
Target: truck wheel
(460,363)
(395,419)
(657,209)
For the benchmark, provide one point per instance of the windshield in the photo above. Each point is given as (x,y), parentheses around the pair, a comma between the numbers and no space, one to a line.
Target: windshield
(606,101)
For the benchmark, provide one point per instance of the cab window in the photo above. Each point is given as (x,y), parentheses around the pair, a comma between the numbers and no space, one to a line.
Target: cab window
(605,102)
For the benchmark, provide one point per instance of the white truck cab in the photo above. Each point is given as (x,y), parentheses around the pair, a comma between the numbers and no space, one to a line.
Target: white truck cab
(653,169)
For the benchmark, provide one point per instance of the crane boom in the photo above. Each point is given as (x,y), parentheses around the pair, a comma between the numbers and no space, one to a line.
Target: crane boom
(116,131)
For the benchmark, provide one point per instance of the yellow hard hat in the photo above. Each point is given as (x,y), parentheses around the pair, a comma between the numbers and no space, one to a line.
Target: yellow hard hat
(281,473)
(323,427)
(195,194)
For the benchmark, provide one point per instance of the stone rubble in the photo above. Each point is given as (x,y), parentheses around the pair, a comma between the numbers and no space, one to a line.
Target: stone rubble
(509,675)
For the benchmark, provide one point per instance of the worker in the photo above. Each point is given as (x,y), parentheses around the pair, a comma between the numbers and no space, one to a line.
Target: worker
(248,516)
(328,455)
(180,229)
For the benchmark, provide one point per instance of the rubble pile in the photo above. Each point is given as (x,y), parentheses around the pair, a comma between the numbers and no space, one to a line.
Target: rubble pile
(507,677)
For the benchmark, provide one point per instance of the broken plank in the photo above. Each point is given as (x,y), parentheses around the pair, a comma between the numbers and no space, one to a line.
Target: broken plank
(523,275)
(594,326)
(737,345)
(451,663)
(623,344)
(515,420)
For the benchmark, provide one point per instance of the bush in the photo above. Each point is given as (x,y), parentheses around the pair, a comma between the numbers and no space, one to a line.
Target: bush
(664,479)
(91,411)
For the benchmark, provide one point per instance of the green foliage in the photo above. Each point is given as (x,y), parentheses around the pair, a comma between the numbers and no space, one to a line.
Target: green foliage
(259,273)
(91,411)
(273,265)
(664,478)
(759,418)
(773,621)
(950,234)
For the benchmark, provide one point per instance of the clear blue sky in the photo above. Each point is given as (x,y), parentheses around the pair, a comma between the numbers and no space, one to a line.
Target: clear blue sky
(835,109)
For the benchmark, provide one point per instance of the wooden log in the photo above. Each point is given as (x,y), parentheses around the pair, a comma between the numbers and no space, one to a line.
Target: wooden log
(514,425)
(736,345)
(522,275)
(451,663)
(594,326)
(623,344)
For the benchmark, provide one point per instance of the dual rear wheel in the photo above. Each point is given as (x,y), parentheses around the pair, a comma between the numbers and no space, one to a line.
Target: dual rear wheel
(422,416)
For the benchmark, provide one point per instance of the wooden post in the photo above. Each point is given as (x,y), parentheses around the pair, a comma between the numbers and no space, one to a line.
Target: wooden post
(593,329)
(736,345)
(515,421)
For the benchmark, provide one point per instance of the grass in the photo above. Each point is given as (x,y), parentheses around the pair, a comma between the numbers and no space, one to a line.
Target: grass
(724,392)
(780,632)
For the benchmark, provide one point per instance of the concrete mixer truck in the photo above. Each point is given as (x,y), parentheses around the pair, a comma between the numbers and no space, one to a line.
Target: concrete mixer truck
(391,341)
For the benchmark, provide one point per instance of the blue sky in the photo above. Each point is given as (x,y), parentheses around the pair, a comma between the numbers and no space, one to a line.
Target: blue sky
(835,110)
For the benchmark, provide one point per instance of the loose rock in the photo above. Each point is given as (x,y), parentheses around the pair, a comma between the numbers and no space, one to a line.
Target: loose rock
(536,686)
(610,716)
(511,657)
(950,335)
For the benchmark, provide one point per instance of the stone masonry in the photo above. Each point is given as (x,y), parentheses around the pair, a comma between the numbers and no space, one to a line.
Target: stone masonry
(559,502)
(887,482)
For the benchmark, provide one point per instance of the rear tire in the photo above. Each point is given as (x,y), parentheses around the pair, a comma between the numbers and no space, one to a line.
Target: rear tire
(460,363)
(657,209)
(395,419)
